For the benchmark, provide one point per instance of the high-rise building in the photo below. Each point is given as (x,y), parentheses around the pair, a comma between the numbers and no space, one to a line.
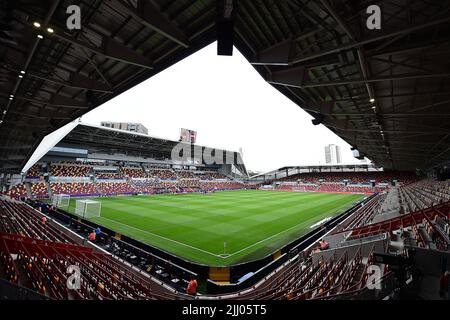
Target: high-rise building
(332,154)
(133,127)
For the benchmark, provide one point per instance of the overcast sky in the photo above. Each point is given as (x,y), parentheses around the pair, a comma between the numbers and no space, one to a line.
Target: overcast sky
(230,106)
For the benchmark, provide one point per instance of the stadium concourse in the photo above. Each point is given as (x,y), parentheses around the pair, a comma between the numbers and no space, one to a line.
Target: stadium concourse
(382,87)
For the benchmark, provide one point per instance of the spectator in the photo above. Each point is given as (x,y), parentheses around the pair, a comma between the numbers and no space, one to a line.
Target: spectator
(92,236)
(44,220)
(192,287)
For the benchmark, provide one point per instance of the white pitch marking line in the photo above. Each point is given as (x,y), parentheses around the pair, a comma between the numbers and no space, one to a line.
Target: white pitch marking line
(272,236)
(213,254)
(156,235)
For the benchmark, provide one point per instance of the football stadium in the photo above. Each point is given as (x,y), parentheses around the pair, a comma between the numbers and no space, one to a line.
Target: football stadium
(112,212)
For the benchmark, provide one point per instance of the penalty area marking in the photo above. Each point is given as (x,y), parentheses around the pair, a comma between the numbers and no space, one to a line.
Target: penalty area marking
(223,256)
(274,235)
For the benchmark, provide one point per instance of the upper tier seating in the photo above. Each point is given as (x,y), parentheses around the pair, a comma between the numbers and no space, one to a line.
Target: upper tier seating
(354,177)
(185,174)
(329,188)
(34,171)
(20,219)
(70,170)
(429,228)
(115,188)
(73,189)
(18,191)
(423,194)
(39,190)
(324,279)
(133,172)
(211,175)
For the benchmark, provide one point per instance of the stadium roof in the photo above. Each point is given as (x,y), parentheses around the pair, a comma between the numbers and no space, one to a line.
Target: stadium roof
(109,141)
(320,54)
(321,168)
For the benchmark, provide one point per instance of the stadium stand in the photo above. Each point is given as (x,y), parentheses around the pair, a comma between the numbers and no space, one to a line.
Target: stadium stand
(109,175)
(111,188)
(133,172)
(415,212)
(18,218)
(43,265)
(74,188)
(425,226)
(423,194)
(70,170)
(163,174)
(308,279)
(39,190)
(35,171)
(405,177)
(37,255)
(365,85)
(124,180)
(18,191)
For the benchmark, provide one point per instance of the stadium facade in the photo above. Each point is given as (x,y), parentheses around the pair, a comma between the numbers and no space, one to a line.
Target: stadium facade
(332,154)
(132,127)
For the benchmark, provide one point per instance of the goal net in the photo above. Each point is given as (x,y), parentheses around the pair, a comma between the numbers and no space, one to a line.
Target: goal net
(61,200)
(88,208)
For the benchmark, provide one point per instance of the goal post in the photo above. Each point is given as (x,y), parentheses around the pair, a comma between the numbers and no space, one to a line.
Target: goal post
(61,200)
(88,208)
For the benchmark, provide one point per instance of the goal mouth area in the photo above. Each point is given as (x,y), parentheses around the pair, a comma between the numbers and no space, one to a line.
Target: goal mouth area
(87,208)
(61,200)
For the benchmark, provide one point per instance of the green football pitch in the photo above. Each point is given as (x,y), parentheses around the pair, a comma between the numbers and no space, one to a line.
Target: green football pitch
(222,228)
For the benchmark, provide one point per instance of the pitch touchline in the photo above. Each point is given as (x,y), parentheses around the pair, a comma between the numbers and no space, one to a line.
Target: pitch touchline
(156,235)
(213,254)
(260,241)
